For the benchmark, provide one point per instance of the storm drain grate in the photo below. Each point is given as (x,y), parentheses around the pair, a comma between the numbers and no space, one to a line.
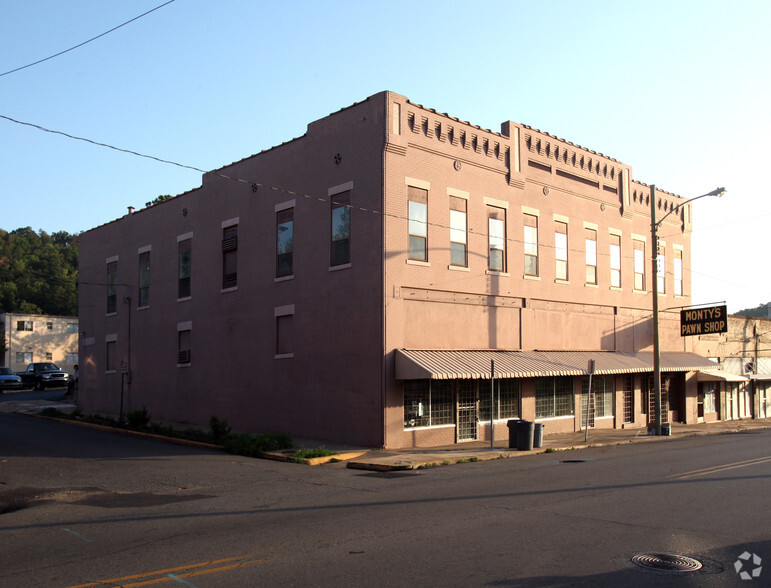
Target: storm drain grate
(667,562)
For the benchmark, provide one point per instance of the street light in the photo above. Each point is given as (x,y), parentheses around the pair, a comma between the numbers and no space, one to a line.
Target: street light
(655,277)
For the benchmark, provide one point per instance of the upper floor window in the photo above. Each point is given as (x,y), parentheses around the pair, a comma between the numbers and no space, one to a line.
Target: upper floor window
(184,267)
(144,278)
(49,326)
(590,238)
(615,260)
(418,223)
(24,325)
(496,227)
(458,232)
(531,245)
(561,250)
(639,264)
(230,256)
(340,253)
(285,242)
(184,344)
(661,270)
(112,287)
(677,271)
(72,327)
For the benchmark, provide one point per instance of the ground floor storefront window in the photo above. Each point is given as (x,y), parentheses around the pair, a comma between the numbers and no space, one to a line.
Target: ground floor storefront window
(430,403)
(601,403)
(553,397)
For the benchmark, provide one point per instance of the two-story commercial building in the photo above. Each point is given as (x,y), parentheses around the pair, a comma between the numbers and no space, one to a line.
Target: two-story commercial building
(358,284)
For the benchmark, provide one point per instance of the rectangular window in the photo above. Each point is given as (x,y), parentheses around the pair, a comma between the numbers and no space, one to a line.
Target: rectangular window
(496,225)
(602,395)
(553,397)
(661,270)
(184,267)
(678,272)
(506,399)
(285,243)
(72,328)
(111,358)
(341,229)
(230,257)
(561,250)
(428,403)
(531,245)
(184,344)
(49,326)
(144,279)
(590,237)
(24,325)
(710,394)
(284,328)
(49,356)
(418,223)
(639,264)
(458,232)
(615,261)
(23,357)
(71,358)
(112,287)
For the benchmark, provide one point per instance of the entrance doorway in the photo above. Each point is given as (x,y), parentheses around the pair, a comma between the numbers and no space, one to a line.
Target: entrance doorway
(468,429)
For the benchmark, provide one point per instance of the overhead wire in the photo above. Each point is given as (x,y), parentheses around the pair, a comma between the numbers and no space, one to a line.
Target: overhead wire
(257,185)
(85,42)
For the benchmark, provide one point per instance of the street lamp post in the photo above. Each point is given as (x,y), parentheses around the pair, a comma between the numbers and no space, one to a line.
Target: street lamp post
(655,277)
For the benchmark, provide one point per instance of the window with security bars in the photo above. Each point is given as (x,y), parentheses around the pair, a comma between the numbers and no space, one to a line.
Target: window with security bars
(553,397)
(230,257)
(628,399)
(506,399)
(602,395)
(428,403)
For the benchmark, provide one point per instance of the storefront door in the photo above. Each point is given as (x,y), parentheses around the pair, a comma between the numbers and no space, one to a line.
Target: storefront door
(467,412)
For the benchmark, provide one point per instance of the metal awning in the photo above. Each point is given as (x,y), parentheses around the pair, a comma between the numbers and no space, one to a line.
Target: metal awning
(415,364)
(760,377)
(718,376)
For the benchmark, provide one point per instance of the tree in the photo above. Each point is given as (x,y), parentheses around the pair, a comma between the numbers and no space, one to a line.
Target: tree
(158,200)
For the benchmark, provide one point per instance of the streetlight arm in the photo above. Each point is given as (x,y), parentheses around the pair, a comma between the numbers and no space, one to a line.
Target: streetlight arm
(718,192)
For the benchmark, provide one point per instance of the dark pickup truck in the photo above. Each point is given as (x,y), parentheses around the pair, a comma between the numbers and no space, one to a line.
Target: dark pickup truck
(43,375)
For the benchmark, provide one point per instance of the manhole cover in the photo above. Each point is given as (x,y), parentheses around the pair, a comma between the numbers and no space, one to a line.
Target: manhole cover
(667,562)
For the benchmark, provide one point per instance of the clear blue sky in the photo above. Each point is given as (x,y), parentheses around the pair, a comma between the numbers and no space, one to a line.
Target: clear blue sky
(677,90)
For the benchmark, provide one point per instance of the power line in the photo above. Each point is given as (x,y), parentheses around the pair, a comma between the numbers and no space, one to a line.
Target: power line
(85,42)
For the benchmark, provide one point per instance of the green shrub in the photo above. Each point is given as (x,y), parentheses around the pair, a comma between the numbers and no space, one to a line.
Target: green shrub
(256,445)
(303,453)
(138,419)
(218,429)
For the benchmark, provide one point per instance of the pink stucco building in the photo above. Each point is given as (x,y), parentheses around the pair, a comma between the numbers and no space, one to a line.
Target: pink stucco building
(354,284)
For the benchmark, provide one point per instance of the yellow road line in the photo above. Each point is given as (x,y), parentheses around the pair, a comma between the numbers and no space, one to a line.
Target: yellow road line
(166,571)
(168,578)
(721,468)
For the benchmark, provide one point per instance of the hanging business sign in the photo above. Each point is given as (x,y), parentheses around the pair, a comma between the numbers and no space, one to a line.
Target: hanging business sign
(703,321)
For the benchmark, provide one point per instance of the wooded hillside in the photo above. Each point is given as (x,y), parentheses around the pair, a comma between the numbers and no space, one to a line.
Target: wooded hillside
(38,272)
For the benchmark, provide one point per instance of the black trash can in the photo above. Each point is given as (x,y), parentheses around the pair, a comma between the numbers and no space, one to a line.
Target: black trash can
(525,435)
(538,435)
(513,425)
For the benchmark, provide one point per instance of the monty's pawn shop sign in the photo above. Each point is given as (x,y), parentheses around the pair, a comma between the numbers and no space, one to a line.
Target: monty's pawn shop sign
(703,321)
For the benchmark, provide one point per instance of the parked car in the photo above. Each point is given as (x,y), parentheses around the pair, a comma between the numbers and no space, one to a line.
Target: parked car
(43,375)
(9,380)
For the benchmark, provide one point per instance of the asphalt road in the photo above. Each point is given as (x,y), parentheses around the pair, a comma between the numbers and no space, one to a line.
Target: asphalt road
(84,507)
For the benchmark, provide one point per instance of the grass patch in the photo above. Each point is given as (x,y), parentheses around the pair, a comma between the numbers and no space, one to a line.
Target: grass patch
(304,453)
(255,445)
(550,450)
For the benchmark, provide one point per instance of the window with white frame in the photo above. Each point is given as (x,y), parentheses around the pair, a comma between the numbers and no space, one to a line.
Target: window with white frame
(458,231)
(639,264)
(590,240)
(661,269)
(284,317)
(507,397)
(24,325)
(496,226)
(553,397)
(561,250)
(677,271)
(602,395)
(615,260)
(24,357)
(72,328)
(531,244)
(418,223)
(184,343)
(428,403)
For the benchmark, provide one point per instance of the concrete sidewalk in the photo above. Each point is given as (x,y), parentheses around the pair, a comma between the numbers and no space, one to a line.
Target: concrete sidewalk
(411,459)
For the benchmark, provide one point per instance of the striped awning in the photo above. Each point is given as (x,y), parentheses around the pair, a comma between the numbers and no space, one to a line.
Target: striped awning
(414,364)
(719,376)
